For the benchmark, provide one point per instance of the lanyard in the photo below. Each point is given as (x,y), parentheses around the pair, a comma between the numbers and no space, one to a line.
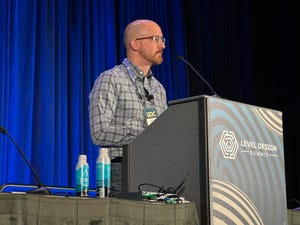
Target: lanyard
(148,91)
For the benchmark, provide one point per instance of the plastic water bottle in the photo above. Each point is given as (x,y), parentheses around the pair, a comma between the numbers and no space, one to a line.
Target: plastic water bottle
(82,176)
(103,173)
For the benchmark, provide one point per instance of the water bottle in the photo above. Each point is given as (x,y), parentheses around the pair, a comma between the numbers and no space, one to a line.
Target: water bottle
(82,176)
(103,173)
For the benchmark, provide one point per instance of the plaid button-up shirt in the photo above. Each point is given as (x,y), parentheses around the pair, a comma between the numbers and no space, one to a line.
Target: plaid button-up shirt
(117,103)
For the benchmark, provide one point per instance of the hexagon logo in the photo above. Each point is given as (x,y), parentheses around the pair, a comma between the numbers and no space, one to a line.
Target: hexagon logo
(228,144)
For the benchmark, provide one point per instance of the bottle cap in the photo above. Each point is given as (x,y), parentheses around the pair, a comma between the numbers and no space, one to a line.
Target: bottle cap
(84,157)
(103,150)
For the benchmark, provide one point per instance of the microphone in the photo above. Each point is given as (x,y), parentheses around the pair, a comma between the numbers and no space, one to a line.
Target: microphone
(199,75)
(41,189)
(148,96)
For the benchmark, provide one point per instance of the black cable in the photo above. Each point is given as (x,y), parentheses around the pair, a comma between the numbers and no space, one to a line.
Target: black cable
(152,185)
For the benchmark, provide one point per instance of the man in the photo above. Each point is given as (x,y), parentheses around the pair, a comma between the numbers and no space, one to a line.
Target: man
(127,98)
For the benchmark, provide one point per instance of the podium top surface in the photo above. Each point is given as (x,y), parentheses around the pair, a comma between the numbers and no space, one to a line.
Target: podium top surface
(188,99)
(199,97)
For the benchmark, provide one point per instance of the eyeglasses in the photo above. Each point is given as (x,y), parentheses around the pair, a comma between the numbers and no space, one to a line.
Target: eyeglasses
(155,38)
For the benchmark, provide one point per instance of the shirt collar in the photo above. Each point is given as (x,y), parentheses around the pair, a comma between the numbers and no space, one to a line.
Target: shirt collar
(135,70)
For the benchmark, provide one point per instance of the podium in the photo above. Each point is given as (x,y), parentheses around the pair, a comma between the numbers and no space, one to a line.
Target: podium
(232,153)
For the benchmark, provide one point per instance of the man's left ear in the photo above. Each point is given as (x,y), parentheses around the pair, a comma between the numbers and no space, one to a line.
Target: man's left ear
(134,45)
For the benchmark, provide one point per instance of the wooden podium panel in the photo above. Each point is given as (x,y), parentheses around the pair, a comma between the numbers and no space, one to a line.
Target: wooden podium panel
(232,151)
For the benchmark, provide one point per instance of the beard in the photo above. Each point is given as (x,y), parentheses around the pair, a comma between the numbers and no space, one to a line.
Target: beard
(153,59)
(158,58)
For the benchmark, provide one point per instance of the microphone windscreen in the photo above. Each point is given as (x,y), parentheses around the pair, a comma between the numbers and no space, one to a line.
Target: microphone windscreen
(179,57)
(3,130)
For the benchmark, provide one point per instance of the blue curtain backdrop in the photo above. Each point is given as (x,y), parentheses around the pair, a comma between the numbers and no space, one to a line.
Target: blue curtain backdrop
(51,52)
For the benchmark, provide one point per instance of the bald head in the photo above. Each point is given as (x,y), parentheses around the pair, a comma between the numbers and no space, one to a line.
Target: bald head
(144,43)
(139,28)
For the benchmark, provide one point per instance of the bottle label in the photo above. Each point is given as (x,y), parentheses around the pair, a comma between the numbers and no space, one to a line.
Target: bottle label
(82,180)
(103,177)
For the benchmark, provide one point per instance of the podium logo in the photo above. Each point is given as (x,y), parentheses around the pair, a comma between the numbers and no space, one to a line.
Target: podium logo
(228,144)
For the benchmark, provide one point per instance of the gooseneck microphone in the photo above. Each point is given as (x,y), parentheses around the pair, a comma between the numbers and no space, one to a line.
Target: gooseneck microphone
(41,189)
(199,75)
